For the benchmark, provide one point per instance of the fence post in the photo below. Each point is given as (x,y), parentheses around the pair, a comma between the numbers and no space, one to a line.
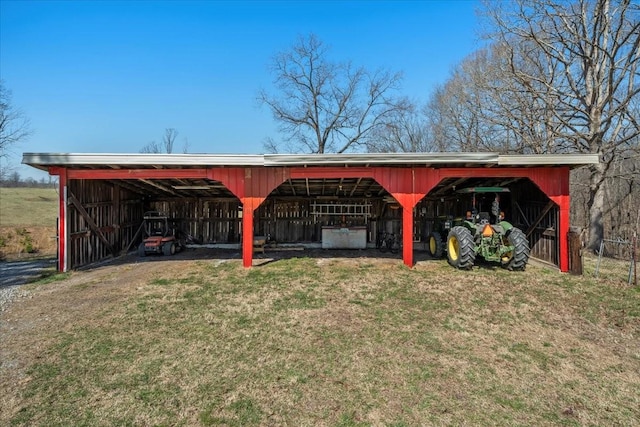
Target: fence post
(635,258)
(575,251)
(599,258)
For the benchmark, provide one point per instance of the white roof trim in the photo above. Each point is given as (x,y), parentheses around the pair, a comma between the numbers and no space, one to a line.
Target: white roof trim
(44,160)
(124,159)
(378,158)
(547,159)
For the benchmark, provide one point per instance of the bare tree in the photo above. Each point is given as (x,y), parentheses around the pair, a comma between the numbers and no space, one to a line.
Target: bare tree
(406,131)
(455,110)
(322,106)
(560,77)
(482,108)
(579,63)
(14,127)
(168,141)
(151,148)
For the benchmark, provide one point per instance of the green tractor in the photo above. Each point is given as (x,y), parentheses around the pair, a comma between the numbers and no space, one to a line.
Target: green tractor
(479,233)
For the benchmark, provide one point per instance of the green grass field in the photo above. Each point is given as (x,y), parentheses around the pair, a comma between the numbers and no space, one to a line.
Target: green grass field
(336,342)
(27,222)
(28,207)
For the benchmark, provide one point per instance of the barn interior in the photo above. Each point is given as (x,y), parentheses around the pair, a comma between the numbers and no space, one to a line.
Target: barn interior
(107,202)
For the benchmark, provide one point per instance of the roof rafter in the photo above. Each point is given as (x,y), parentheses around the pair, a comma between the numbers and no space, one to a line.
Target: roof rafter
(160,187)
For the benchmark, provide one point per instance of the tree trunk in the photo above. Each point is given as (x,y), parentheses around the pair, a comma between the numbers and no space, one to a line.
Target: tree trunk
(596,206)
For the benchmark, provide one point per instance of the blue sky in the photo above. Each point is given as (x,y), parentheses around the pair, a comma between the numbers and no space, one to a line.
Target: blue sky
(104,76)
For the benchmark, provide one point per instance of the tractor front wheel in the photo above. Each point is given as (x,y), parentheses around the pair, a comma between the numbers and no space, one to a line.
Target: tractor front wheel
(436,245)
(141,250)
(519,257)
(460,251)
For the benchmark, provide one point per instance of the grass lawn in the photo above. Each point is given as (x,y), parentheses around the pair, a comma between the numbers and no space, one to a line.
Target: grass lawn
(336,342)
(28,207)
(28,221)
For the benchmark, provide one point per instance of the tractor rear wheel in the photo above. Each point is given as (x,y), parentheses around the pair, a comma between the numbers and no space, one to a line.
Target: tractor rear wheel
(436,245)
(460,251)
(141,251)
(169,248)
(518,258)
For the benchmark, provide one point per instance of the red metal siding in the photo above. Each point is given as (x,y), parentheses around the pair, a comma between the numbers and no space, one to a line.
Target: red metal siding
(232,178)
(408,185)
(260,182)
(136,173)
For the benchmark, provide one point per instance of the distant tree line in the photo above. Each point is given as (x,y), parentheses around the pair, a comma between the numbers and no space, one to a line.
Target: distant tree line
(166,146)
(13,179)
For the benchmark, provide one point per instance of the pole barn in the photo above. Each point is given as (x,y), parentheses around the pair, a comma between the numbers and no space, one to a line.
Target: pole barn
(229,199)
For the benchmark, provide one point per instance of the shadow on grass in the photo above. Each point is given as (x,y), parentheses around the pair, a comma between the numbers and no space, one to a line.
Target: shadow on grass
(15,273)
(272,255)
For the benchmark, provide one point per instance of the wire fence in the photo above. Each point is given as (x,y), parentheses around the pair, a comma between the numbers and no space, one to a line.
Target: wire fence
(617,259)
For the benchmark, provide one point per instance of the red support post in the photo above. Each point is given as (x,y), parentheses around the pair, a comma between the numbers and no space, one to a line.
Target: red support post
(407,235)
(62,217)
(408,187)
(258,184)
(249,204)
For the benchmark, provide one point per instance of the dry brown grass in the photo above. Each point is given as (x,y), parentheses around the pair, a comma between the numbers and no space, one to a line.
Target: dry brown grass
(21,242)
(27,222)
(318,341)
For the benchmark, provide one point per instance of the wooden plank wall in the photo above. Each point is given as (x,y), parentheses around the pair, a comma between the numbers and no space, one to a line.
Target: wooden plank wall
(543,240)
(286,221)
(294,221)
(115,211)
(209,220)
(283,220)
(118,213)
(428,210)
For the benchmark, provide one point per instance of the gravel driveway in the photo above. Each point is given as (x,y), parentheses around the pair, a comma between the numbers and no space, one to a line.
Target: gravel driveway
(13,274)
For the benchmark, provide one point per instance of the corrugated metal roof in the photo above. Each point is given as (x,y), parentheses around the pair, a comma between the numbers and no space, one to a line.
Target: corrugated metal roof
(137,159)
(44,160)
(378,159)
(547,159)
